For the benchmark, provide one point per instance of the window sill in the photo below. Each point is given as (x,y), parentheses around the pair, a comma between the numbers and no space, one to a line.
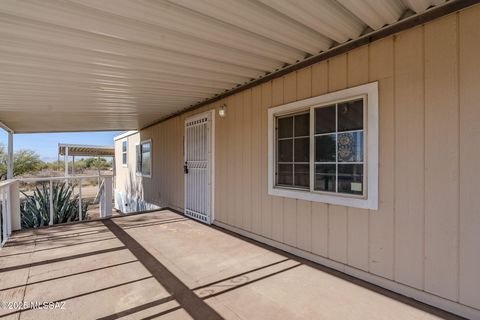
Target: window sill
(143,175)
(341,200)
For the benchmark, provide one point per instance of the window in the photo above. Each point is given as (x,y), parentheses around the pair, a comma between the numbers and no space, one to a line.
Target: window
(144,158)
(124,153)
(339,144)
(325,149)
(293,151)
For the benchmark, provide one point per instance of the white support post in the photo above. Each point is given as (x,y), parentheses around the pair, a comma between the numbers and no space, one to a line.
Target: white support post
(80,214)
(3,204)
(114,165)
(51,202)
(14,196)
(8,211)
(10,156)
(98,170)
(106,198)
(66,161)
(73,165)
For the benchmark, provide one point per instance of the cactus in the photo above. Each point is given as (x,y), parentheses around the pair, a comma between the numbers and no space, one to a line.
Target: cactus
(35,209)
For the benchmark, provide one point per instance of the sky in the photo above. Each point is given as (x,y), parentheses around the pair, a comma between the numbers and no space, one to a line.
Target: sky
(46,144)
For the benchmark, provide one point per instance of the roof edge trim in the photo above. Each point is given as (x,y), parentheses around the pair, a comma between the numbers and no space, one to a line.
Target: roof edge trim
(402,25)
(124,134)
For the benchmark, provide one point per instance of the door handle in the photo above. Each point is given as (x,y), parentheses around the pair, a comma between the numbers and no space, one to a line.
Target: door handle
(185,168)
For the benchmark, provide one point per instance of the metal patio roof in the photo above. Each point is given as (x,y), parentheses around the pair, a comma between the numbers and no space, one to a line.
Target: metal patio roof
(84,150)
(119,65)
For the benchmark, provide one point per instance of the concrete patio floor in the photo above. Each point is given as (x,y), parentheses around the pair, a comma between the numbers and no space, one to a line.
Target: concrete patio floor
(161,265)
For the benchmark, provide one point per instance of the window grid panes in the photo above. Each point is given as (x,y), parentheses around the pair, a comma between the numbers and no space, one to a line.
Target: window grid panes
(293,151)
(143,153)
(146,161)
(338,149)
(339,154)
(138,154)
(124,152)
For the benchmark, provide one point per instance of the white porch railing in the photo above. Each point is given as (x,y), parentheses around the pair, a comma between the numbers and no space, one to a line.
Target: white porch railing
(10,199)
(9,207)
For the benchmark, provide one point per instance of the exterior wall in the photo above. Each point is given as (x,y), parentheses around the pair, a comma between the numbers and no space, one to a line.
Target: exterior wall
(165,187)
(426,233)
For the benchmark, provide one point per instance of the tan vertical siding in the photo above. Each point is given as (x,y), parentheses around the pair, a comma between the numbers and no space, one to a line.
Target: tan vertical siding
(220,167)
(165,187)
(441,158)
(247,160)
(469,80)
(267,200)
(120,171)
(304,83)
(290,205)
(236,128)
(178,167)
(426,231)
(320,229)
(409,158)
(278,202)
(381,247)
(304,208)
(320,217)
(159,142)
(357,227)
(231,168)
(337,222)
(126,180)
(256,172)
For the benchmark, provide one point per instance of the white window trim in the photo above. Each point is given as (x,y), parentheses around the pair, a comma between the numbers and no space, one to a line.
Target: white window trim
(124,164)
(370,91)
(140,174)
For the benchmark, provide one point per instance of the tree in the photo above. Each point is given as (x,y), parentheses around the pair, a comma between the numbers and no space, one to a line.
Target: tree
(24,161)
(102,163)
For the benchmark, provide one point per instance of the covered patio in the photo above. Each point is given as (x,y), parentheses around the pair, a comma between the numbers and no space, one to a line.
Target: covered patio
(161,265)
(339,131)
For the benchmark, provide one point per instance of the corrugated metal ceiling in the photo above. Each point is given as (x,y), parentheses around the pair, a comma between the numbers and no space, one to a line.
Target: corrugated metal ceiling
(121,64)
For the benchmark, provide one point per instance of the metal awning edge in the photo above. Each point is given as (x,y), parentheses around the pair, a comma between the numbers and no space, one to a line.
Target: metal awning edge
(389,30)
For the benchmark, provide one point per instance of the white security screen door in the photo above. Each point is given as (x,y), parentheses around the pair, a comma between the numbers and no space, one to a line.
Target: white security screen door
(198,167)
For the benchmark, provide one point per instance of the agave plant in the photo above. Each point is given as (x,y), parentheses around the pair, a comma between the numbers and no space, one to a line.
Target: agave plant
(35,209)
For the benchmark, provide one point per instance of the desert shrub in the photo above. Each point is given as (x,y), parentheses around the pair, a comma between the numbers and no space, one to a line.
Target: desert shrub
(35,208)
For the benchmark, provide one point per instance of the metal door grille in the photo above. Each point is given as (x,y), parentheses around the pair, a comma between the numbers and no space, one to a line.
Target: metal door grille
(198,168)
